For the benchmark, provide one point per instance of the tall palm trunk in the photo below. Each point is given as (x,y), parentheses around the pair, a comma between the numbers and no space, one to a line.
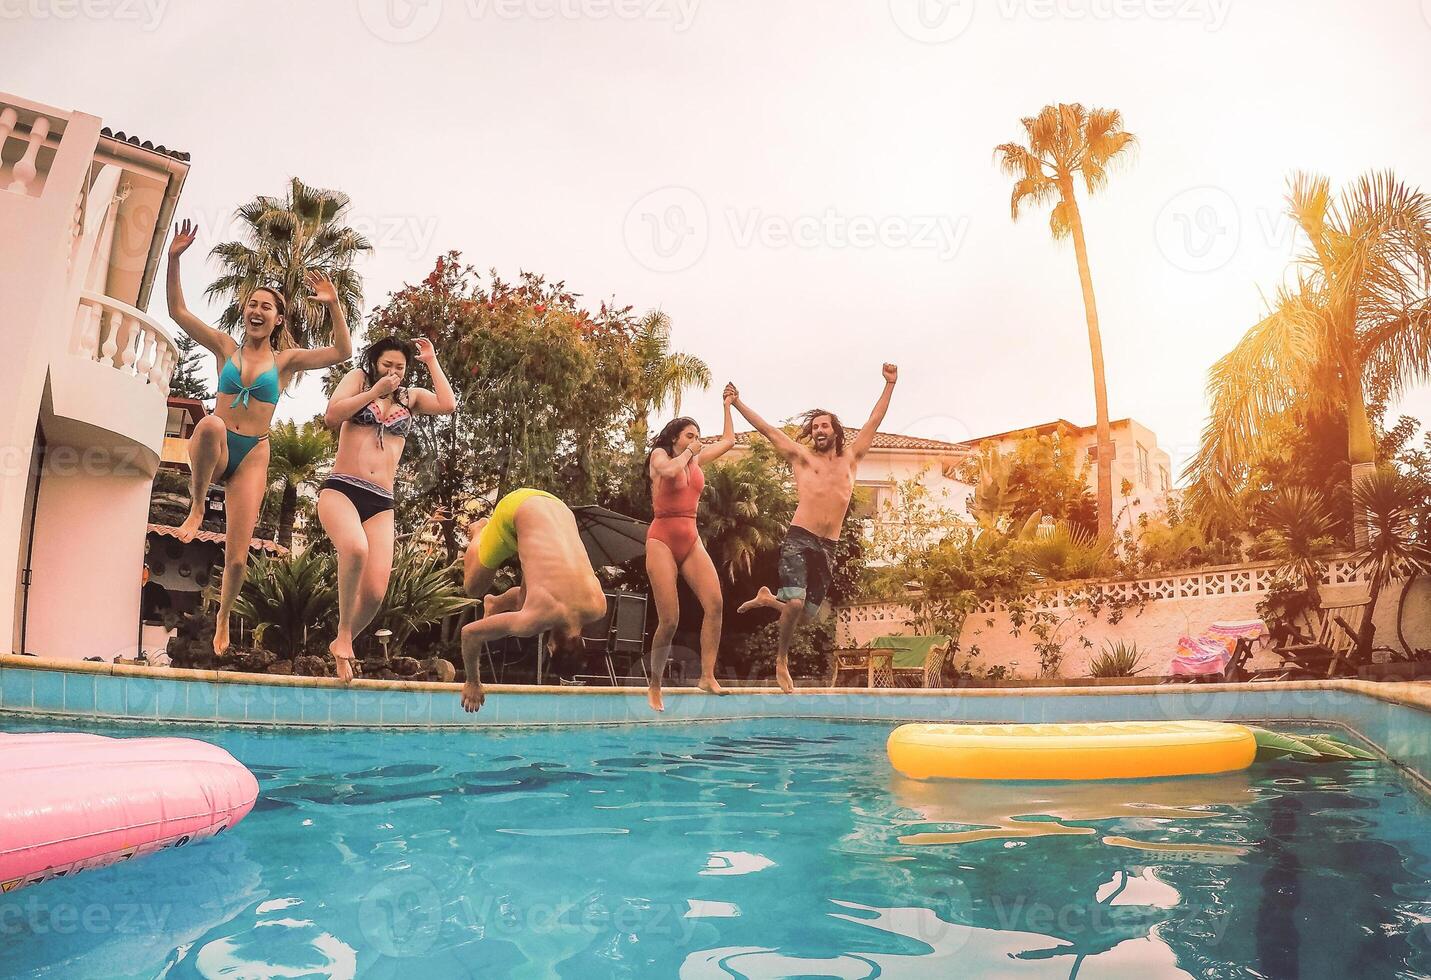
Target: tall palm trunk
(1095,346)
(287,509)
(1361,451)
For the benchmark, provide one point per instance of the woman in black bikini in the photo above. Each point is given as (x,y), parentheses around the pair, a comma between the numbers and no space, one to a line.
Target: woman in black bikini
(355,505)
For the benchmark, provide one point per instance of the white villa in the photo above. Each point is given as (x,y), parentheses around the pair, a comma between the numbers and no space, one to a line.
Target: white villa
(1138,462)
(83,215)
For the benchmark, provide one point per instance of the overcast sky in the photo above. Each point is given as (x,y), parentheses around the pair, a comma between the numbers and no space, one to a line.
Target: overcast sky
(808,189)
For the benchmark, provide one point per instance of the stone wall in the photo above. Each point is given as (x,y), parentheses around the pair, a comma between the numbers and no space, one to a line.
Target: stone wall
(1171,606)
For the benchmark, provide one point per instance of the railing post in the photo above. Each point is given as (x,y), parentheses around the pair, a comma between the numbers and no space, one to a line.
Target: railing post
(25,169)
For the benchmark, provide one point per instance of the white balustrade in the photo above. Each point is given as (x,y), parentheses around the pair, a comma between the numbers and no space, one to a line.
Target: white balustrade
(26,169)
(1223,581)
(8,118)
(126,339)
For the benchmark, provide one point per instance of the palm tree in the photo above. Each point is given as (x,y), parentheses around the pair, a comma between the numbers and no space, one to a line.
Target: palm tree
(287,238)
(737,518)
(296,454)
(291,600)
(1392,505)
(663,375)
(1065,141)
(1356,320)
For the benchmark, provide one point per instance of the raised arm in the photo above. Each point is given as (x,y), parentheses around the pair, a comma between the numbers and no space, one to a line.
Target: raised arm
(216,341)
(664,464)
(353,393)
(862,443)
(309,359)
(726,442)
(783,444)
(442,400)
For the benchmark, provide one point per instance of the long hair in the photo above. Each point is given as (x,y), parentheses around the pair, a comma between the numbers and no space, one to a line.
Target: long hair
(808,423)
(280,339)
(369,360)
(666,438)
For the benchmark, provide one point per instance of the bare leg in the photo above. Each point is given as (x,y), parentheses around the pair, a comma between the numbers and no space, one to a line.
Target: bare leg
(700,573)
(374,585)
(764,599)
(661,570)
(509,601)
(208,454)
(789,619)
(476,577)
(241,503)
(472,693)
(340,520)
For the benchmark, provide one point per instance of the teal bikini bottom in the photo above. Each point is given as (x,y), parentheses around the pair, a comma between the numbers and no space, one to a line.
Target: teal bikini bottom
(240,446)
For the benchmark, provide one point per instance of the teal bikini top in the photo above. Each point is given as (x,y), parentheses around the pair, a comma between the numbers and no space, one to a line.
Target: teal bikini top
(264,388)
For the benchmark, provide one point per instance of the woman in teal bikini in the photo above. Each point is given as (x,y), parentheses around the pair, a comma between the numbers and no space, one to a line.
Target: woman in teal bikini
(231,445)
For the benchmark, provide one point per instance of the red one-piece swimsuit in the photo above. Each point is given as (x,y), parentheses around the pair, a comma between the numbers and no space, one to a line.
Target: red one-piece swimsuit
(674,499)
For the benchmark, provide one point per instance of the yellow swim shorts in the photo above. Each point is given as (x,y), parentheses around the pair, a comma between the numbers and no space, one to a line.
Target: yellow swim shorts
(498,540)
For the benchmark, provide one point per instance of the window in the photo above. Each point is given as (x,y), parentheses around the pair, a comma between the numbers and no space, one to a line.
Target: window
(875,496)
(1145,477)
(1163,483)
(174,428)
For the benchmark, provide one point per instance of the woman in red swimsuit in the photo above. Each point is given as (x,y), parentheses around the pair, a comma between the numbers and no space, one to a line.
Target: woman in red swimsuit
(673,545)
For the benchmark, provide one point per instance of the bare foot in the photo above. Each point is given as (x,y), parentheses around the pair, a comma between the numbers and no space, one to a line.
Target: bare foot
(782,677)
(711,686)
(764,599)
(221,637)
(343,657)
(190,527)
(653,697)
(472,696)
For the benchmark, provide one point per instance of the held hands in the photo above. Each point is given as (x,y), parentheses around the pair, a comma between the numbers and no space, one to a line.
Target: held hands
(891,374)
(320,287)
(184,235)
(426,353)
(730,396)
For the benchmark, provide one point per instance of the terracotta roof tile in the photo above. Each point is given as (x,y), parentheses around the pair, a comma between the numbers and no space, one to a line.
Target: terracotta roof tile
(145,144)
(882,440)
(214,537)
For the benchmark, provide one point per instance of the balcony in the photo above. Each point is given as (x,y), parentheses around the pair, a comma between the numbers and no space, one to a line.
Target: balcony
(108,390)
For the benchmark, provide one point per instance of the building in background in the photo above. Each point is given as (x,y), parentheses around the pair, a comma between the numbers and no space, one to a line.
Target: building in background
(1140,466)
(83,217)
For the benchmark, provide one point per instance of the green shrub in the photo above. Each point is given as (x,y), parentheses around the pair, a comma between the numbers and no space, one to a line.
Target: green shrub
(1117,660)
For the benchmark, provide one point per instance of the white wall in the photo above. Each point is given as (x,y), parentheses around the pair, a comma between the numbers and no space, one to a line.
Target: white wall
(88,561)
(1189,603)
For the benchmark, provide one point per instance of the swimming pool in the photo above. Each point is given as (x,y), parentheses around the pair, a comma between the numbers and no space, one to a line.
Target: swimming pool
(757,848)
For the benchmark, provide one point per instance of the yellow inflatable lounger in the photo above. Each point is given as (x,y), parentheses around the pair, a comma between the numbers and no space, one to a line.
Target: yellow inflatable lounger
(1094,750)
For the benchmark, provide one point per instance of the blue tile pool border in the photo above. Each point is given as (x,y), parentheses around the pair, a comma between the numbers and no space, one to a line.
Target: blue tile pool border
(1394,717)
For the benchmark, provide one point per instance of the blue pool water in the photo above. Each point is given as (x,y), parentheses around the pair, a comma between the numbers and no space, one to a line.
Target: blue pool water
(744,849)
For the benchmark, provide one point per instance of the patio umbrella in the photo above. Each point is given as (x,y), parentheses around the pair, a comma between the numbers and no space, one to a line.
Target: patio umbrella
(610,538)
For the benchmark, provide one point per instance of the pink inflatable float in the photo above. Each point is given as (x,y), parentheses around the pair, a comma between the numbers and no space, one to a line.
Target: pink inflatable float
(70,802)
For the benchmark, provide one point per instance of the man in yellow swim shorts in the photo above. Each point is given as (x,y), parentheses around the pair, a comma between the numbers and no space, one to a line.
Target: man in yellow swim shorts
(559,593)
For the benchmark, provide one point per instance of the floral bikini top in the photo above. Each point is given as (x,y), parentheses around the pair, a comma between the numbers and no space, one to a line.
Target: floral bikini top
(398,424)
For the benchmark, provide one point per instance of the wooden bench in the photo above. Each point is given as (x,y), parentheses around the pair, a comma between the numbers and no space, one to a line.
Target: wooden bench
(1329,647)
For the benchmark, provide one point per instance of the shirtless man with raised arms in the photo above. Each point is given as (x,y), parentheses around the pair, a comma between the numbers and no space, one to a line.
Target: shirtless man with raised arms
(559,593)
(824,482)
